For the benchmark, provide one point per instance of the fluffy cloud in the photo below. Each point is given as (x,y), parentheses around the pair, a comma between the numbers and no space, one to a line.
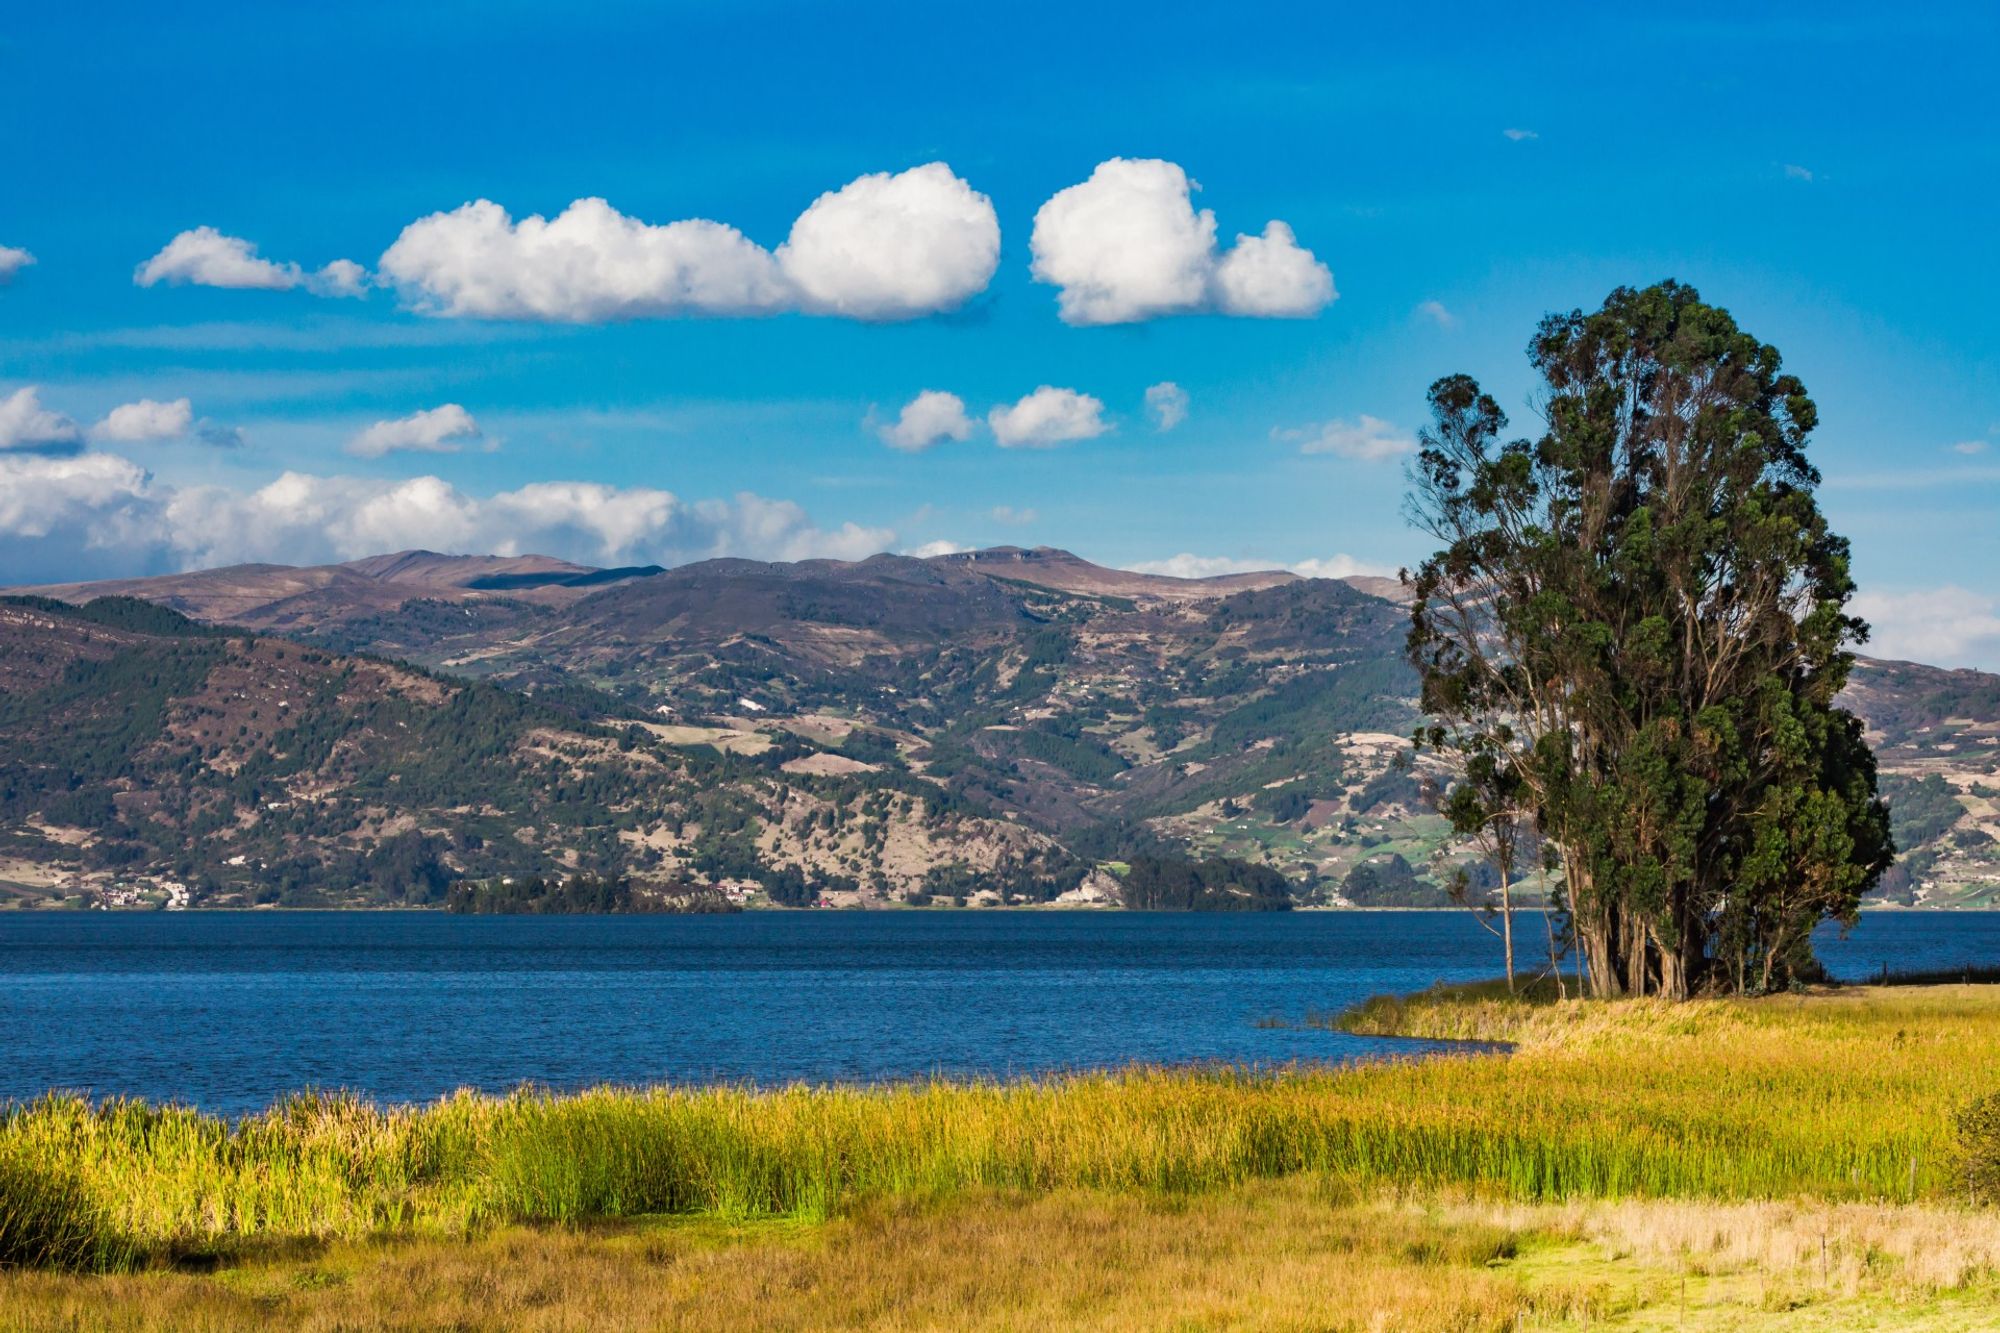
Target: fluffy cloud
(343,277)
(929,418)
(1520,136)
(28,427)
(97,514)
(146,419)
(12,261)
(882,247)
(437,430)
(1046,417)
(1167,403)
(205,257)
(1128,245)
(1365,439)
(1187,565)
(931,550)
(55,513)
(1272,277)
(1947,626)
(893,247)
(589,264)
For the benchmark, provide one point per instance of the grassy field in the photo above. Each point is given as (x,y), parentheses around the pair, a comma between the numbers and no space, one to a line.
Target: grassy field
(1788,1159)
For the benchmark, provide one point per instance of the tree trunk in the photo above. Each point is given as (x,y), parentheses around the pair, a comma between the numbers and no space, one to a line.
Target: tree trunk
(1507,923)
(1631,937)
(1555,957)
(1673,971)
(1596,936)
(1597,941)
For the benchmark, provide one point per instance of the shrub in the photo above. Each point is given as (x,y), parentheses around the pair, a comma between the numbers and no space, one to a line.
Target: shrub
(1978,1126)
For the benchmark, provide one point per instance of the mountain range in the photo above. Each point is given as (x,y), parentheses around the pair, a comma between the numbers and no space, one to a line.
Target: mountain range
(996,725)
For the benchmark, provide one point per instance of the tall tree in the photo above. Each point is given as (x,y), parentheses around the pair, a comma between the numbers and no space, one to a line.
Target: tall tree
(1640,617)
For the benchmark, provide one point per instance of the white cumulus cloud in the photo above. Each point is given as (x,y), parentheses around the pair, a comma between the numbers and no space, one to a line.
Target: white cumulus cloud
(1365,439)
(28,427)
(1272,277)
(1047,417)
(205,257)
(1128,245)
(589,264)
(12,260)
(436,430)
(882,247)
(147,419)
(343,277)
(1167,402)
(98,515)
(931,550)
(1188,565)
(1947,626)
(893,247)
(931,417)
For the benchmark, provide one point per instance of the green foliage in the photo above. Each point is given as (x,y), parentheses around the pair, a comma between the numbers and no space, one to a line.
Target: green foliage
(1365,696)
(1394,785)
(871,747)
(1921,810)
(1035,880)
(125,613)
(109,710)
(577,895)
(1284,805)
(1218,884)
(1168,725)
(1390,881)
(1082,756)
(1977,1148)
(1640,615)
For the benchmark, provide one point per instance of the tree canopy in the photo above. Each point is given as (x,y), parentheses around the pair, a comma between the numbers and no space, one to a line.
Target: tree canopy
(1639,617)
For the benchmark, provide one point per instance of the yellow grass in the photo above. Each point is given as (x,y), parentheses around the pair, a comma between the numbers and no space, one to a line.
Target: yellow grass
(1787,1158)
(1285,1255)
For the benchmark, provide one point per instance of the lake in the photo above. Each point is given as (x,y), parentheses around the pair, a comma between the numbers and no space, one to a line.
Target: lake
(228,1011)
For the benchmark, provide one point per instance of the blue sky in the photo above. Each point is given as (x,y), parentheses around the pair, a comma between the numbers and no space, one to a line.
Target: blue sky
(1826,172)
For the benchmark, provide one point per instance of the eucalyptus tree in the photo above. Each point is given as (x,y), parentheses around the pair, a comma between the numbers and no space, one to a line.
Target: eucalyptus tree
(1638,620)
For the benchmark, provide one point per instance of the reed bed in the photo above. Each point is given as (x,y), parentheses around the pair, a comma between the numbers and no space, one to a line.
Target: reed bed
(1834,1097)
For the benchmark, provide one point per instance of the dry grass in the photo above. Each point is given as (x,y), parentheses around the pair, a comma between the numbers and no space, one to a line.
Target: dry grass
(1280,1257)
(1286,1255)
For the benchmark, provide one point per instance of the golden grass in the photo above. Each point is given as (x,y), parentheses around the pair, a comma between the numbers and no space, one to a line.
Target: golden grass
(1277,1257)
(1280,1255)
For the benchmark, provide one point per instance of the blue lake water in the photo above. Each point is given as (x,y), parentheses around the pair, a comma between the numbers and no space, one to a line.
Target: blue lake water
(229,1011)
